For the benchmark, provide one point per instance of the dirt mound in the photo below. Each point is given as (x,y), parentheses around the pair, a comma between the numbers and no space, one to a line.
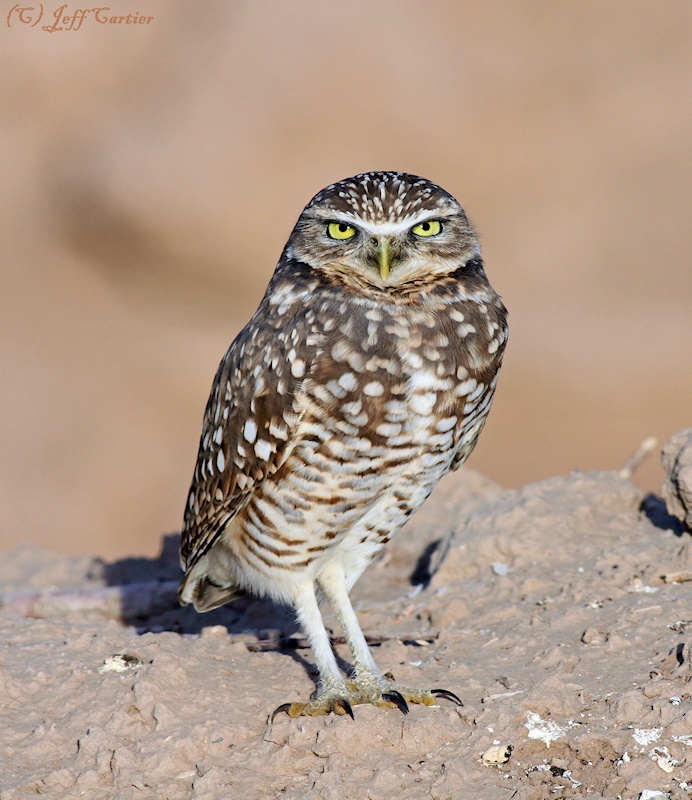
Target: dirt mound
(558,612)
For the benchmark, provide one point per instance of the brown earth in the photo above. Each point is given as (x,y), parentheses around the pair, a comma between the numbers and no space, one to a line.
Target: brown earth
(559,612)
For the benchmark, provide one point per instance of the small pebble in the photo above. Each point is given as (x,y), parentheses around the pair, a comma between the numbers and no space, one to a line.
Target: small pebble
(497,754)
(120,662)
(214,632)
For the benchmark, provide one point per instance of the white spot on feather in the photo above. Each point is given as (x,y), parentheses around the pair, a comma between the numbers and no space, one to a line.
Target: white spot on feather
(466,387)
(340,351)
(414,360)
(250,431)
(263,449)
(477,392)
(278,431)
(352,408)
(220,461)
(445,425)
(373,389)
(348,381)
(388,429)
(336,389)
(423,404)
(425,379)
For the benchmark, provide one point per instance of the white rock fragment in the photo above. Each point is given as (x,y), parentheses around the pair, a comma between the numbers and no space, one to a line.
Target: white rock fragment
(638,585)
(664,759)
(500,568)
(568,774)
(502,695)
(544,729)
(654,794)
(646,736)
(214,632)
(120,662)
(497,754)
(680,625)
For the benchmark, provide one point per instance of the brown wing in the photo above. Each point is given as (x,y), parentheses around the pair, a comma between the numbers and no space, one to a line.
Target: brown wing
(481,356)
(248,423)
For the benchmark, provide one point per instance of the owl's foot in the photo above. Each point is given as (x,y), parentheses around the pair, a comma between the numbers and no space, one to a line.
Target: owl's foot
(383,693)
(319,707)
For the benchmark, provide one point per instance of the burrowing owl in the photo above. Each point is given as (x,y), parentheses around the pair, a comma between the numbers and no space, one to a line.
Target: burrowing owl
(365,375)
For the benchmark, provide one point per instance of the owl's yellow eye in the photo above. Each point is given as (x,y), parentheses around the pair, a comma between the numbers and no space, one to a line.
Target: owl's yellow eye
(340,230)
(430,228)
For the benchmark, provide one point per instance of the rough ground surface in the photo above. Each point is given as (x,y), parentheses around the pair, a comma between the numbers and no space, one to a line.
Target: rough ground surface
(558,612)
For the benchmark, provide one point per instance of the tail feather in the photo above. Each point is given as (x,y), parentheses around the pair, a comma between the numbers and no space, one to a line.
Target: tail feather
(206,594)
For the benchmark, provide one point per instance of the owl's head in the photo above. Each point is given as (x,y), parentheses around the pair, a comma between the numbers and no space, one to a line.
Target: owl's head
(383,230)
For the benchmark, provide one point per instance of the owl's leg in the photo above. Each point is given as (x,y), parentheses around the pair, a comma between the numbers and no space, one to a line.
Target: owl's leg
(332,581)
(332,695)
(369,685)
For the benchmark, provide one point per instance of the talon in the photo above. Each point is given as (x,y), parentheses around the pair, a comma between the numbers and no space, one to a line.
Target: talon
(342,707)
(284,707)
(447,695)
(398,699)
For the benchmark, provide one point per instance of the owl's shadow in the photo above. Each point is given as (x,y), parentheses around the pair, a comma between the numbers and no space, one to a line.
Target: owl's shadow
(262,623)
(155,607)
(148,587)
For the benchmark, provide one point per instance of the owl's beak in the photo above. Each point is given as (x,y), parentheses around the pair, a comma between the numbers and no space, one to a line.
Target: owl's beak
(383,258)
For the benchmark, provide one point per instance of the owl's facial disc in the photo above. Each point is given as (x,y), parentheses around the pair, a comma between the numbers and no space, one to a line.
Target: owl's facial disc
(383,254)
(385,231)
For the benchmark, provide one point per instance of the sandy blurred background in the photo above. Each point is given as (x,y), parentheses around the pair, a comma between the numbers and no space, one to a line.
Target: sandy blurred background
(151,174)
